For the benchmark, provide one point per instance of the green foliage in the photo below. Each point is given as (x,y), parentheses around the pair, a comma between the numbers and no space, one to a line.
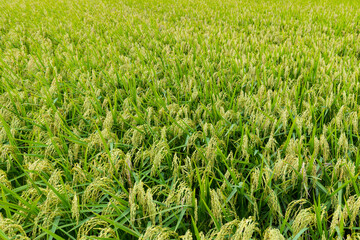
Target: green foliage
(192,119)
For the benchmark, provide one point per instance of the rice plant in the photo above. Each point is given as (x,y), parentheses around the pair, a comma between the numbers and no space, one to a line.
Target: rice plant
(191,119)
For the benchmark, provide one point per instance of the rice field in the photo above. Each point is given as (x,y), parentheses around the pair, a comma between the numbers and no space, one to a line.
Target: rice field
(191,119)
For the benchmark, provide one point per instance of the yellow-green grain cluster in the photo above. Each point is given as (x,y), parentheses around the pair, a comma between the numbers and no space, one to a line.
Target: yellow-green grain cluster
(191,119)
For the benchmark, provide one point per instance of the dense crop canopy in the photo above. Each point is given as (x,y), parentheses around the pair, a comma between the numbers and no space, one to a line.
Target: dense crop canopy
(191,119)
